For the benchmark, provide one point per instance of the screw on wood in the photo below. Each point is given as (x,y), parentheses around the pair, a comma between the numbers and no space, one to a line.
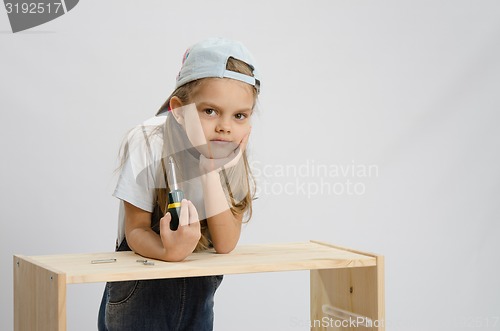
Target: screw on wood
(145,262)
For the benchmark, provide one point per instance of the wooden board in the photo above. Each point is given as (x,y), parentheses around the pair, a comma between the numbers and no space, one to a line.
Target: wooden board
(245,259)
(356,295)
(39,297)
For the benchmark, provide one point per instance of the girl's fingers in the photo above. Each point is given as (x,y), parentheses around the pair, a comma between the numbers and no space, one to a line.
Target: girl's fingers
(193,213)
(165,222)
(189,214)
(244,141)
(167,216)
(184,216)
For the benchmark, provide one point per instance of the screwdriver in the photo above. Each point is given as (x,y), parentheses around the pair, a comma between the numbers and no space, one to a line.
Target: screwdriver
(175,196)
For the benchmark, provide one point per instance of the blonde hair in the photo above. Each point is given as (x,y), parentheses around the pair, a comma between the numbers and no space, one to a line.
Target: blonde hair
(238,182)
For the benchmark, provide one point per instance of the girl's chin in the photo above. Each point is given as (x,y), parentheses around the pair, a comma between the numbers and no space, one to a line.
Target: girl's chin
(217,149)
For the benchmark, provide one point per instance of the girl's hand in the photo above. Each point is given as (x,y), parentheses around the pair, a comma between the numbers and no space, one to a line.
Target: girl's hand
(182,242)
(208,165)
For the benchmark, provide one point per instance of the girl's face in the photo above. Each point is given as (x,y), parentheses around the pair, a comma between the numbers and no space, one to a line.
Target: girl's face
(221,118)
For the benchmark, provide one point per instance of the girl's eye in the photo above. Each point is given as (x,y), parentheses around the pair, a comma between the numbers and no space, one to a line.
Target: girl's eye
(240,116)
(209,112)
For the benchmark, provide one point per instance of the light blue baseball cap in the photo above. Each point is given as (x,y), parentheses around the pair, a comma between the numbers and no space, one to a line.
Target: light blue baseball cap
(209,57)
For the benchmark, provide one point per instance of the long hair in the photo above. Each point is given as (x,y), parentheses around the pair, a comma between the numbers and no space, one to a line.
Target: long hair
(237,182)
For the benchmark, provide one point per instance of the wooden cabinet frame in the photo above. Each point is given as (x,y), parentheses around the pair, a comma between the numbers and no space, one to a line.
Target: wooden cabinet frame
(347,286)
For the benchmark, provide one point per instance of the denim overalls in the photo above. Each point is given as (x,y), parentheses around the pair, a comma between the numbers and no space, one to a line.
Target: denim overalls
(172,304)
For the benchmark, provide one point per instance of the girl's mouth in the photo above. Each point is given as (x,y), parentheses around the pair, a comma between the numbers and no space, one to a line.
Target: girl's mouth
(219,148)
(220,141)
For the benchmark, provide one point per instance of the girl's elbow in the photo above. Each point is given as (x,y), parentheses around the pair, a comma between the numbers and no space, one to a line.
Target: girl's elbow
(225,243)
(223,251)
(224,248)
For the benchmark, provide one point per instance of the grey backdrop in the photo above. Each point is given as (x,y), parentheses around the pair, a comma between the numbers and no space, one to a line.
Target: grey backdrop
(406,89)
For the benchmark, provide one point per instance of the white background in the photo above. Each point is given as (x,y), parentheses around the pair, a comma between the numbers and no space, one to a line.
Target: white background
(411,88)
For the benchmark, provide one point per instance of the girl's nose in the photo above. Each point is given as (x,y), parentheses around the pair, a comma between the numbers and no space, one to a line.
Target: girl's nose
(223,126)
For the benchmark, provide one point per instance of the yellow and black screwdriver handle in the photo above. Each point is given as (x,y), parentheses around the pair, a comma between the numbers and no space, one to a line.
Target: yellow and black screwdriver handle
(174,207)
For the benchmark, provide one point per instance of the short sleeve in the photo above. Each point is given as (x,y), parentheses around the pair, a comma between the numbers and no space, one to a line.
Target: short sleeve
(139,173)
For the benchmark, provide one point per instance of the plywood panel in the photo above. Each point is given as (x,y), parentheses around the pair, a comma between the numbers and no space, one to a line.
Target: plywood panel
(245,259)
(355,296)
(39,297)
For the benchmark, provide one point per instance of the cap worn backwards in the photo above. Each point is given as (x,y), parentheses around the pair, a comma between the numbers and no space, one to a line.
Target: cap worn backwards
(209,57)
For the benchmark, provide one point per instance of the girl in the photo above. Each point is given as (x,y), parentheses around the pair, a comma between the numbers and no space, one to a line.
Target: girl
(202,130)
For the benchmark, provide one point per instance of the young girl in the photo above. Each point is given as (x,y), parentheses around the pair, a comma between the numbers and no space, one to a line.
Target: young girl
(202,131)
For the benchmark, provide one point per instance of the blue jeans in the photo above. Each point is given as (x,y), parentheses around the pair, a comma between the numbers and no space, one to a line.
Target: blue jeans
(172,304)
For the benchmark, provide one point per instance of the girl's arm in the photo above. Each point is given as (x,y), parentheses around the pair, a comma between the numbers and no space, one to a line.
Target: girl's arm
(169,245)
(225,228)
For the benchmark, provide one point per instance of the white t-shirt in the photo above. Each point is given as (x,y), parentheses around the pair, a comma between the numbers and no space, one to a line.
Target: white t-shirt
(135,184)
(141,173)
